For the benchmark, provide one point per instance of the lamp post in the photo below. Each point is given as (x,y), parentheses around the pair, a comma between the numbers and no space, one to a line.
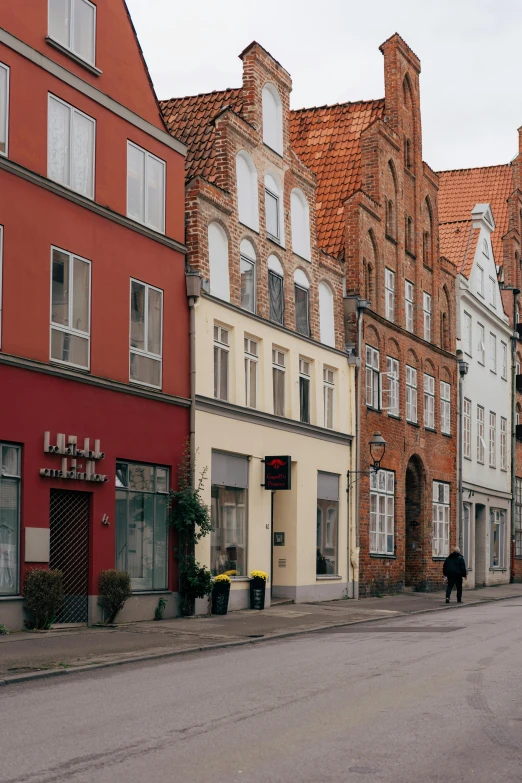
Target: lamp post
(463,371)
(377,447)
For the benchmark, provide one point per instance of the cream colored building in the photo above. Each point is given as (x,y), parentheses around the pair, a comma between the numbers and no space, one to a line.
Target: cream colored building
(272,374)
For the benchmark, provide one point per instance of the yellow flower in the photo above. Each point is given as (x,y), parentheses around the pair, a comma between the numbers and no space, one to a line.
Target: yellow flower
(259,575)
(231,573)
(222,578)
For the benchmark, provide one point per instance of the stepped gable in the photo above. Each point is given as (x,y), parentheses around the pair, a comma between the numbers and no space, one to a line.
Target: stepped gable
(328,140)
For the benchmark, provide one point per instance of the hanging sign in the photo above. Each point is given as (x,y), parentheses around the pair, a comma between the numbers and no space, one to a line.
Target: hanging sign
(278,472)
(70,468)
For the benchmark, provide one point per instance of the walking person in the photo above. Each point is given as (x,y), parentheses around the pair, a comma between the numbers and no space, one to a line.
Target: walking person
(455,571)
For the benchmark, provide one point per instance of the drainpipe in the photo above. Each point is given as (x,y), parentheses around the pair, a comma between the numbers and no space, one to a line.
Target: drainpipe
(513,430)
(193,283)
(463,370)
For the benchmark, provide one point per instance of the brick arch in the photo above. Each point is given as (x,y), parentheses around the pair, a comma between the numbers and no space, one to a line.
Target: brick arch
(393,349)
(446,374)
(412,359)
(428,367)
(371,335)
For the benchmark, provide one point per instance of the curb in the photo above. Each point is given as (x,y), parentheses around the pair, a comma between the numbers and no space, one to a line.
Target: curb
(47,673)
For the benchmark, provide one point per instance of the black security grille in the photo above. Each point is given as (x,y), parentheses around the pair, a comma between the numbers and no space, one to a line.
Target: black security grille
(69,517)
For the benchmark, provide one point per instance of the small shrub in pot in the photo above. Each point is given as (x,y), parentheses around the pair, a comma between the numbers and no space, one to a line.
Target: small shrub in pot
(43,594)
(114,587)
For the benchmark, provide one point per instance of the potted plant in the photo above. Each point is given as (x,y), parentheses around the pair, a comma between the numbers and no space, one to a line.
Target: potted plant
(258,580)
(220,594)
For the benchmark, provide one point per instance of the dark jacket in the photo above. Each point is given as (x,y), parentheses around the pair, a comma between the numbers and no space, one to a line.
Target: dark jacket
(455,566)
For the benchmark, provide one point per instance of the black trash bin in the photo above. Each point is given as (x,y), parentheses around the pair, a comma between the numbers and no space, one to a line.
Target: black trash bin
(257,593)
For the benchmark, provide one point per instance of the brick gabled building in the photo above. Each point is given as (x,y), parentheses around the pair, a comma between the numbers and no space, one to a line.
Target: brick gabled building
(377,211)
(501,187)
(272,373)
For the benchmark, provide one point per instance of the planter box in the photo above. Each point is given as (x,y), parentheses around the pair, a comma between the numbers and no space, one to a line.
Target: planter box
(220,596)
(257,593)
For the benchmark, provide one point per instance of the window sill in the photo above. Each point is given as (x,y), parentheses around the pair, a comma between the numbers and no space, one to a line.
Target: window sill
(240,578)
(302,258)
(327,577)
(391,239)
(371,408)
(71,367)
(410,254)
(413,423)
(498,568)
(468,458)
(449,435)
(250,228)
(144,385)
(279,154)
(428,267)
(11,598)
(78,60)
(383,557)
(275,241)
(161,591)
(430,429)
(394,416)
(439,559)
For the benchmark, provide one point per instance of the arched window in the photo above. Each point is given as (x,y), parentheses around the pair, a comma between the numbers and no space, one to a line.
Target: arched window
(408,230)
(407,154)
(272,118)
(302,307)
(427,233)
(273,210)
(247,268)
(390,218)
(326,315)
(246,176)
(300,224)
(276,290)
(218,262)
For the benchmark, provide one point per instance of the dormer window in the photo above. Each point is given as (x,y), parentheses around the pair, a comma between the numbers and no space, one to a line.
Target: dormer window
(272,119)
(72,23)
(485,247)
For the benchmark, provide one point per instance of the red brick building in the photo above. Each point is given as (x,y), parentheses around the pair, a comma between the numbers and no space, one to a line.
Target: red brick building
(94,352)
(500,186)
(377,211)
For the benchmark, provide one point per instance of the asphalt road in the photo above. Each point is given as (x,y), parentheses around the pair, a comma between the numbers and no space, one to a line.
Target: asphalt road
(435,697)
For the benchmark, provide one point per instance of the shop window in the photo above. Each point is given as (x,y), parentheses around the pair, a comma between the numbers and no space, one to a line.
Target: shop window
(441,519)
(229,506)
(304,390)
(247,268)
(142,524)
(72,23)
(145,188)
(218,262)
(497,538)
(326,315)
(10,468)
(382,512)
(70,308)
(327,523)
(300,224)
(276,290)
(221,362)
(278,381)
(146,334)
(246,178)
(328,397)
(272,118)
(4,107)
(302,305)
(70,147)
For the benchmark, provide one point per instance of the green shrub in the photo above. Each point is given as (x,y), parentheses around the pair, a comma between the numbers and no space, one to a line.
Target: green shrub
(3,629)
(43,593)
(196,582)
(158,611)
(114,587)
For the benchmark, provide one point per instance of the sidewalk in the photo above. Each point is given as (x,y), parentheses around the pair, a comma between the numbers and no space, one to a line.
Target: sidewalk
(31,655)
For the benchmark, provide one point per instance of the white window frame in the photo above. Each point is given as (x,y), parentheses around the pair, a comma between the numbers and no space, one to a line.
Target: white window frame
(441,519)
(305,375)
(279,365)
(497,517)
(467,428)
(148,155)
(504,360)
(493,352)
(493,292)
(411,395)
(73,112)
(409,292)
(485,248)
(466,333)
(71,31)
(481,344)
(139,351)
(481,443)
(223,348)
(372,378)
(492,439)
(13,558)
(270,193)
(429,401)
(480,281)
(445,408)
(329,397)
(251,348)
(246,247)
(503,443)
(393,390)
(389,284)
(7,70)
(1,271)
(426,309)
(69,329)
(382,512)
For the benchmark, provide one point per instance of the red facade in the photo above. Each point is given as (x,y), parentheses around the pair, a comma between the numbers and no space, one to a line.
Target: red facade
(135,421)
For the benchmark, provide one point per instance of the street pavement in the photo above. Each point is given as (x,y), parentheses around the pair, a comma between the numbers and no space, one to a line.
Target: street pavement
(408,699)
(36,654)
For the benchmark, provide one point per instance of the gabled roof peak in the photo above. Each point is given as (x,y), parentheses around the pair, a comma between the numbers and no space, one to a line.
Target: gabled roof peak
(482,216)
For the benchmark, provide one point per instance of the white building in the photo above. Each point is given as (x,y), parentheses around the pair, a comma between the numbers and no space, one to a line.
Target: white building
(483,336)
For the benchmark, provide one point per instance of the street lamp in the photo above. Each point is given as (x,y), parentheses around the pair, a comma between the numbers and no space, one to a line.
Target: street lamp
(377,448)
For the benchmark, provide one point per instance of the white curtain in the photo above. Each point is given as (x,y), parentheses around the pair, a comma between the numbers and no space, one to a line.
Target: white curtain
(3,109)
(83,155)
(59,141)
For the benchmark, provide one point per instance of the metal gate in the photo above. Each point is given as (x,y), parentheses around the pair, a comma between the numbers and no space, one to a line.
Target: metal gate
(69,521)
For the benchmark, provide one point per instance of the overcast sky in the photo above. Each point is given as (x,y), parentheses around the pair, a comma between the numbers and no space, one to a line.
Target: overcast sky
(470,53)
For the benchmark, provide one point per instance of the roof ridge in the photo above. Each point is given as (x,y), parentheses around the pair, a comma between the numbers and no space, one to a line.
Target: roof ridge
(334,105)
(475,168)
(202,94)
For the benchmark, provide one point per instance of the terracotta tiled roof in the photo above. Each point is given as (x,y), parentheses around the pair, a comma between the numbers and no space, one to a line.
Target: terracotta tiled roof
(327,140)
(459,192)
(190,121)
